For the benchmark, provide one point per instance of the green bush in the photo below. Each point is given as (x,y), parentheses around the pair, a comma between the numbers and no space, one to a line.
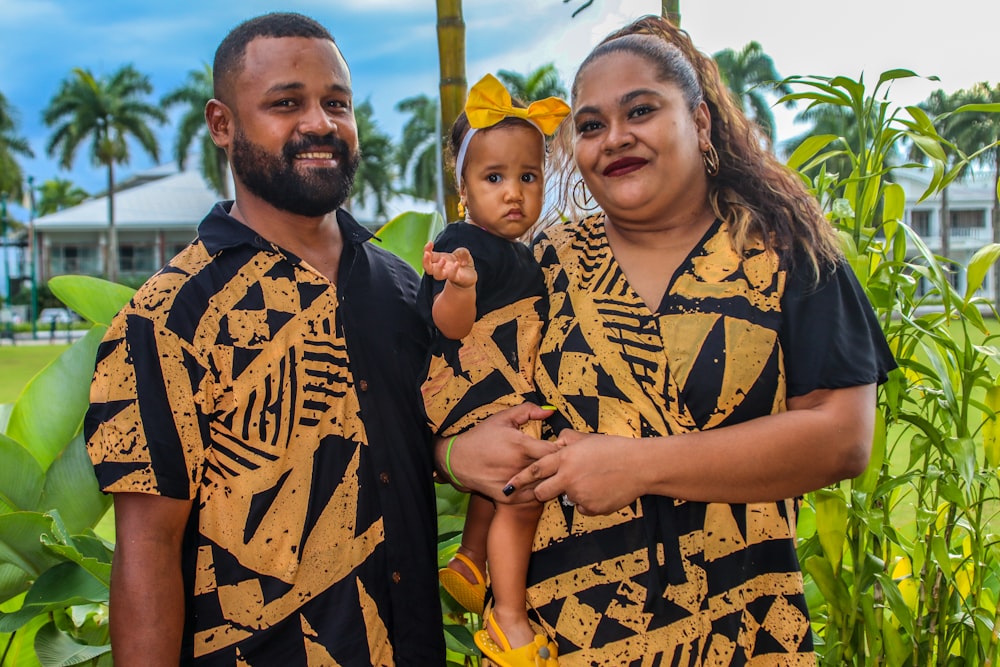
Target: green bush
(883,591)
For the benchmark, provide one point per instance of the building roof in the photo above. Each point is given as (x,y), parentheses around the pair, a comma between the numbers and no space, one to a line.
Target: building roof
(163,198)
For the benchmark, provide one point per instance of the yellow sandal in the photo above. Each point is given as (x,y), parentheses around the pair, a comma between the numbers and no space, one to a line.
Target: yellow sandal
(471,596)
(539,653)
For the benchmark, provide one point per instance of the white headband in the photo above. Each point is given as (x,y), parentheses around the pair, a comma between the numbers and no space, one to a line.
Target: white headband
(464,148)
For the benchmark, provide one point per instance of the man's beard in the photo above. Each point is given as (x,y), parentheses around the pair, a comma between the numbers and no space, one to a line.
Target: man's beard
(275,179)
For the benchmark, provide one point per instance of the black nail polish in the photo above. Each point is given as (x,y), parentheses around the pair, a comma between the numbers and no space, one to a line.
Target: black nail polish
(509,489)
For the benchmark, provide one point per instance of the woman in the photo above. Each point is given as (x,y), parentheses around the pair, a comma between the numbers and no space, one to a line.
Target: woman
(711,358)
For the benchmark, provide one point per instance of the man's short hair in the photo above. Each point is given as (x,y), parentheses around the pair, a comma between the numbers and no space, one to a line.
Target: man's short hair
(230,54)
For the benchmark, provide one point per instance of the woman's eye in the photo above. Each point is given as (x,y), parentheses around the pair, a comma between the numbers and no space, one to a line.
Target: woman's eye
(588,126)
(640,110)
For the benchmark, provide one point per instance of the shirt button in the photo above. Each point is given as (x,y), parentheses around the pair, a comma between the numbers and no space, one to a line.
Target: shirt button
(396,577)
(364,385)
(384,477)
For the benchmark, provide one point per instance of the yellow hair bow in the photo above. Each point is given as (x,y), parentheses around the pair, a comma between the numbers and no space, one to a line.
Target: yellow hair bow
(489,103)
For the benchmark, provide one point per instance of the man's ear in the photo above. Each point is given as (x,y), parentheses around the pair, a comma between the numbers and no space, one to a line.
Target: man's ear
(219,118)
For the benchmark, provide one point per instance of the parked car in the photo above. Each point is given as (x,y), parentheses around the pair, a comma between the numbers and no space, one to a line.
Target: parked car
(50,316)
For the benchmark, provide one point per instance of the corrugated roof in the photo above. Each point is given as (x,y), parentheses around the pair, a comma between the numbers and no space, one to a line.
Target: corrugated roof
(172,199)
(180,199)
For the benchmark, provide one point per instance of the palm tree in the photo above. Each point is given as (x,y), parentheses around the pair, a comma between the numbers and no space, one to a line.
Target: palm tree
(969,119)
(836,120)
(417,153)
(106,111)
(11,176)
(749,74)
(57,194)
(195,94)
(535,85)
(375,173)
(453,85)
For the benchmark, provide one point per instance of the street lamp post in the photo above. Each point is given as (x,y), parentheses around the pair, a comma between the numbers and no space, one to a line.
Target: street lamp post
(33,250)
(8,325)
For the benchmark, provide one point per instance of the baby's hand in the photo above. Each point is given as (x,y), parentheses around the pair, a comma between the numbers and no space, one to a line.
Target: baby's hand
(456,267)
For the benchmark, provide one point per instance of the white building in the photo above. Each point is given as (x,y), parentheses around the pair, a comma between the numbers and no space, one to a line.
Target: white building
(156,214)
(970,211)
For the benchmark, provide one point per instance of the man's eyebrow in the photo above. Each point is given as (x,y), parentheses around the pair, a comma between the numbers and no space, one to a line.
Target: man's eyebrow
(298,85)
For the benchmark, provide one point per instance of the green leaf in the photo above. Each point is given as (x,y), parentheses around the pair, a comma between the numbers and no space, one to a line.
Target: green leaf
(941,556)
(20,651)
(991,429)
(55,648)
(869,478)
(408,233)
(90,553)
(808,148)
(13,581)
(829,585)
(62,586)
(21,542)
(95,299)
(979,266)
(50,409)
(831,524)
(458,638)
(71,487)
(21,478)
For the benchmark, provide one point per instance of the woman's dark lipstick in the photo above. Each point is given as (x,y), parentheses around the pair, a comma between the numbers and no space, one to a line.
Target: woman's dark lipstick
(625,165)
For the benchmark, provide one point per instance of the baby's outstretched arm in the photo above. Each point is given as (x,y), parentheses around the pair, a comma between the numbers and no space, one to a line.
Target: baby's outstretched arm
(454,309)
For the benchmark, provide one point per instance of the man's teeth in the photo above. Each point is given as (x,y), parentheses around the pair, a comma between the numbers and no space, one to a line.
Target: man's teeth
(316,156)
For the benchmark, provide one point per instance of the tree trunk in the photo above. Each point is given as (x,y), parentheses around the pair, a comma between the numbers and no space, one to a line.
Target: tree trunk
(112,252)
(671,10)
(453,87)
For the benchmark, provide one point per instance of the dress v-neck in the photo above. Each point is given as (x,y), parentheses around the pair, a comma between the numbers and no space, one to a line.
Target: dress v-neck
(684,267)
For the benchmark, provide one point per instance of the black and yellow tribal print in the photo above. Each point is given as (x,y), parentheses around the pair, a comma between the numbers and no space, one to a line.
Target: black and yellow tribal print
(227,381)
(731,593)
(491,368)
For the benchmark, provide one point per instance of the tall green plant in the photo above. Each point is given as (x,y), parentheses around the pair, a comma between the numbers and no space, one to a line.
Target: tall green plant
(924,590)
(54,569)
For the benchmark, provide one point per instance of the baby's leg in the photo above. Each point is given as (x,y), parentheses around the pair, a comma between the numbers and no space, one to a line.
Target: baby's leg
(464,577)
(508,552)
(477,526)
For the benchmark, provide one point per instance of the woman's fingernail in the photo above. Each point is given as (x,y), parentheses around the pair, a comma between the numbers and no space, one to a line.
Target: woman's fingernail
(509,489)
(548,407)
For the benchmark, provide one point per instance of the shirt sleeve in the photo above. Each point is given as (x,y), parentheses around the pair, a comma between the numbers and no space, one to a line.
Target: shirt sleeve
(830,337)
(145,431)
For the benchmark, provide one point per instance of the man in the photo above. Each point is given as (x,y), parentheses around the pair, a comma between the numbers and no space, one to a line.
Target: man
(256,411)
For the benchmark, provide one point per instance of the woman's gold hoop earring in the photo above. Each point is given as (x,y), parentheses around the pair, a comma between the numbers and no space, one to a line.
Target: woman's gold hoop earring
(580,192)
(710,157)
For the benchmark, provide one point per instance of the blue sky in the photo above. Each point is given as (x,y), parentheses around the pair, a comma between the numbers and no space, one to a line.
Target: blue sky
(392,49)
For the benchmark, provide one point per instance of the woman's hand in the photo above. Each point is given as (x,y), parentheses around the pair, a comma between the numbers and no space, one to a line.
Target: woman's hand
(595,472)
(485,457)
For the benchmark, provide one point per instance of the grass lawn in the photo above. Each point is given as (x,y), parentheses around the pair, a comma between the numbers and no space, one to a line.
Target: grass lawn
(19,363)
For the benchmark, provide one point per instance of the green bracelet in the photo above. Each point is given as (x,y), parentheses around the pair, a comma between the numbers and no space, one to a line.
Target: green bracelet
(447,461)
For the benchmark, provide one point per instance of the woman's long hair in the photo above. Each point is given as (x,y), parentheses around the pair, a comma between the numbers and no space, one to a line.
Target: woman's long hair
(753,192)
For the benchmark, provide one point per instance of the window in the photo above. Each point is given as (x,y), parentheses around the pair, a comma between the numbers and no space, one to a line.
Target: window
(72,259)
(920,221)
(973,219)
(137,259)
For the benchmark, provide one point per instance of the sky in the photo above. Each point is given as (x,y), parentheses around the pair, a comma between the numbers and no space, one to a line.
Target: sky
(391,47)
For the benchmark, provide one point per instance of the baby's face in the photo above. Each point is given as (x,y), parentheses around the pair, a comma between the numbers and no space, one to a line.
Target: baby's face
(503,182)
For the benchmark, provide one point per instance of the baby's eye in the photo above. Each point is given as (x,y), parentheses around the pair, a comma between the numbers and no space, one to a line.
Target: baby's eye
(529,178)
(493,178)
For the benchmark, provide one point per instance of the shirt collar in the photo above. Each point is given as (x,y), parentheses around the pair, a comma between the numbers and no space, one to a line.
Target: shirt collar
(220,231)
